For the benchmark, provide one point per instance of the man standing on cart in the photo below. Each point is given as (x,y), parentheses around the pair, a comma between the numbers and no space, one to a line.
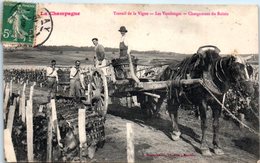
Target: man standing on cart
(125,52)
(99,59)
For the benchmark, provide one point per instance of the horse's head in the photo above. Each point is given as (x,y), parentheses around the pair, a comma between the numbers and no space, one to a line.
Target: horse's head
(238,69)
(239,76)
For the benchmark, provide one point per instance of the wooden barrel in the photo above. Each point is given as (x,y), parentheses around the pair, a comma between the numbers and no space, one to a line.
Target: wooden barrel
(122,69)
(64,76)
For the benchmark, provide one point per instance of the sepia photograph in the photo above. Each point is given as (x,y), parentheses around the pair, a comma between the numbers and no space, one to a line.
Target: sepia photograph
(130,82)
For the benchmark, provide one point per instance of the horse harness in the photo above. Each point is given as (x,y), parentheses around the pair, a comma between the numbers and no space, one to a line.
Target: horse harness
(214,82)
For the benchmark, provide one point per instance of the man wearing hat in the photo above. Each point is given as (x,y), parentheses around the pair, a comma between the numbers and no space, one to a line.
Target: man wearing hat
(52,79)
(124,52)
(124,49)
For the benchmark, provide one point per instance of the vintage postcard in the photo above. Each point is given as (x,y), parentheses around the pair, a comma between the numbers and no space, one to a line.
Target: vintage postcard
(130,82)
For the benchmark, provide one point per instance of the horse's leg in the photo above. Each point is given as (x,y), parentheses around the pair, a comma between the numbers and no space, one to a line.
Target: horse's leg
(173,112)
(216,112)
(203,115)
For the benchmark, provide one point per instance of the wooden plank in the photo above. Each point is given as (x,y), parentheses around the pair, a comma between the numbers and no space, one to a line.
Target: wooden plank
(82,126)
(10,119)
(152,94)
(24,87)
(31,92)
(55,121)
(88,92)
(7,90)
(29,126)
(23,108)
(155,85)
(22,104)
(4,86)
(130,143)
(49,138)
(8,147)
(82,132)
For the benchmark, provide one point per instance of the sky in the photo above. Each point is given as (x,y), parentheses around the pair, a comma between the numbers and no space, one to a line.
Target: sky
(236,31)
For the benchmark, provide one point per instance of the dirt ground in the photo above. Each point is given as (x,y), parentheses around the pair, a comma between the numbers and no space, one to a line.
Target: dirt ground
(152,141)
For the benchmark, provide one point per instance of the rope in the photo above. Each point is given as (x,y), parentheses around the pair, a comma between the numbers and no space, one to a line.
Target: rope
(232,115)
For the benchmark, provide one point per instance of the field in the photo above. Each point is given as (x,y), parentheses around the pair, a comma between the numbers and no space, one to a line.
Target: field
(67,58)
(151,136)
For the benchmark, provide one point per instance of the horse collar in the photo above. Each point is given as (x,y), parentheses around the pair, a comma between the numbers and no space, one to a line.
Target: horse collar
(218,66)
(208,81)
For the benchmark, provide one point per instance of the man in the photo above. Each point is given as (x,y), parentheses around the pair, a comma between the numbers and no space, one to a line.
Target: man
(52,79)
(75,80)
(99,59)
(100,54)
(124,52)
(124,49)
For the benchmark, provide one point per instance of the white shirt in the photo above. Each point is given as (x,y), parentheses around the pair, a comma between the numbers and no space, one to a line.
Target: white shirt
(50,72)
(73,72)
(125,40)
(79,75)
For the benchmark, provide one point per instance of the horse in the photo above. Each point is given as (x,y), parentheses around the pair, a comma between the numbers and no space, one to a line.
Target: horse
(218,75)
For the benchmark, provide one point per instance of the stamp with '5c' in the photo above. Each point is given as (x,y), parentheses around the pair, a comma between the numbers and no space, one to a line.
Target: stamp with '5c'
(18,23)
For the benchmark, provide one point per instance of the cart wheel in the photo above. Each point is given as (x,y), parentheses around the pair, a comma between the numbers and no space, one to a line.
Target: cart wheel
(149,106)
(98,92)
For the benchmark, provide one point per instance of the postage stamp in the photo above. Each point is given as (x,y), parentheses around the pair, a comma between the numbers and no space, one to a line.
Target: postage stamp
(18,22)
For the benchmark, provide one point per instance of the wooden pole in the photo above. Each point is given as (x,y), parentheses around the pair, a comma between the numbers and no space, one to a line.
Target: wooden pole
(82,131)
(55,121)
(89,87)
(23,109)
(49,138)
(10,119)
(130,143)
(8,147)
(22,103)
(4,87)
(82,126)
(7,90)
(31,92)
(29,125)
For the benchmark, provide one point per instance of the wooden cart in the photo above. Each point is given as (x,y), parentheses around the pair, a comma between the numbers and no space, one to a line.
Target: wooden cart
(119,83)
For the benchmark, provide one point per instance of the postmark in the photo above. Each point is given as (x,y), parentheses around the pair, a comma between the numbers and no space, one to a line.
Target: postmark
(18,23)
(44,26)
